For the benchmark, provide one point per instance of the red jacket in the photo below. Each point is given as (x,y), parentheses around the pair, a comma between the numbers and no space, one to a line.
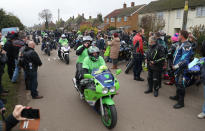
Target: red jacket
(138,38)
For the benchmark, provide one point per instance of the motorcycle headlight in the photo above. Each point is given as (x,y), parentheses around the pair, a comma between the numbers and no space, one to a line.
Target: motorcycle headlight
(105,90)
(112,89)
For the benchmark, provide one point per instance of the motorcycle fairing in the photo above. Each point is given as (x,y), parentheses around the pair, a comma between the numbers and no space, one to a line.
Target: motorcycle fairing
(105,78)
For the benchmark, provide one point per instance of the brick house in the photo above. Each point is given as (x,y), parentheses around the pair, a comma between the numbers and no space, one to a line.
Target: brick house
(124,18)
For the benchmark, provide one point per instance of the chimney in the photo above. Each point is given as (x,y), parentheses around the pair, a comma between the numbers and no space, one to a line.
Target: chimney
(124,5)
(90,17)
(132,4)
(73,17)
(83,15)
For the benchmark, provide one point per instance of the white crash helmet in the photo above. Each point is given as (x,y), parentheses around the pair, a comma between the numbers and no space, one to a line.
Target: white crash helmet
(87,38)
(63,36)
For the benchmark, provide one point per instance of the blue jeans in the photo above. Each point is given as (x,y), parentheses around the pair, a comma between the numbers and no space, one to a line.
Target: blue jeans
(16,72)
(204,101)
(32,82)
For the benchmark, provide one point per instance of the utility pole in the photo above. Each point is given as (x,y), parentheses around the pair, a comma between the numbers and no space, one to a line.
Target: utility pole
(186,8)
(58,14)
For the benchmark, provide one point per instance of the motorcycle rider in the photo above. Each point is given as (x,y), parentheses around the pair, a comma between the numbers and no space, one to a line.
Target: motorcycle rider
(45,39)
(93,60)
(155,60)
(82,53)
(62,42)
(181,60)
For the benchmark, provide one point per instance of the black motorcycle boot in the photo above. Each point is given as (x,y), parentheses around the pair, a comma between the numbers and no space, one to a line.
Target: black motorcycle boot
(156,88)
(156,93)
(180,102)
(175,98)
(150,88)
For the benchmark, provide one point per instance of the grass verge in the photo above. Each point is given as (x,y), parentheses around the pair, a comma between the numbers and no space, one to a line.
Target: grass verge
(12,96)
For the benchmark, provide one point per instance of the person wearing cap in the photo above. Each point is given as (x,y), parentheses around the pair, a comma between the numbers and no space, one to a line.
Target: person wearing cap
(8,47)
(155,59)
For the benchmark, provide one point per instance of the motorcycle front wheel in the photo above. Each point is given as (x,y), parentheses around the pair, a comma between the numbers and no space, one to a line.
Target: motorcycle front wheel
(110,116)
(48,51)
(67,59)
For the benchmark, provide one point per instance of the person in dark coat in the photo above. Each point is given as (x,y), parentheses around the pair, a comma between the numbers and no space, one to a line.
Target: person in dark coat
(101,45)
(8,47)
(31,63)
(155,61)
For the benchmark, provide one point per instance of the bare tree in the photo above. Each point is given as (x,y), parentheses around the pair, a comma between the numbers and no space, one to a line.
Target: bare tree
(46,15)
(152,23)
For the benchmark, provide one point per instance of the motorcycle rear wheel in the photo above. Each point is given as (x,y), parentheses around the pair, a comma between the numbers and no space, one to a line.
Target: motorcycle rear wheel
(110,116)
(129,66)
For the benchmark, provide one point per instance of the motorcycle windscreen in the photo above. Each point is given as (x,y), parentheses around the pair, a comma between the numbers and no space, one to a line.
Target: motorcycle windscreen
(105,78)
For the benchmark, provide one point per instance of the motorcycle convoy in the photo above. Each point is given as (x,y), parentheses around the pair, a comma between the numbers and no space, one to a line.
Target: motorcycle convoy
(100,86)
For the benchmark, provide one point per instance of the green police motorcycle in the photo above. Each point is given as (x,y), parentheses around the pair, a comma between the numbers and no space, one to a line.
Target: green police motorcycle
(98,89)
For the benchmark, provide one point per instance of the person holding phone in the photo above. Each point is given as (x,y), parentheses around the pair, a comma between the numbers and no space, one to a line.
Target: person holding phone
(13,119)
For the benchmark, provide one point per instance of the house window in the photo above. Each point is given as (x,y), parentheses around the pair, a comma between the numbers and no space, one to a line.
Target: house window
(160,15)
(112,19)
(178,14)
(119,19)
(125,18)
(107,20)
(200,11)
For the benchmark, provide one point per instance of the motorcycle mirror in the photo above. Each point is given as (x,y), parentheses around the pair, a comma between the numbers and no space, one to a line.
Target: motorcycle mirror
(118,71)
(88,76)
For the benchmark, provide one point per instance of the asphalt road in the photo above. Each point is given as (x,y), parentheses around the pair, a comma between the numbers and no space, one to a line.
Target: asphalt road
(62,110)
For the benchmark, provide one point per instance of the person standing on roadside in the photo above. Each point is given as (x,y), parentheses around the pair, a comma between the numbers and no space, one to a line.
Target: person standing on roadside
(32,62)
(101,45)
(17,44)
(8,47)
(3,60)
(139,55)
(114,50)
(155,60)
(182,58)
(202,114)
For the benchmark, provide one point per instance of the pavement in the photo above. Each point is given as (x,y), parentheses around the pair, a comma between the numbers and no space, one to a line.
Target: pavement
(62,110)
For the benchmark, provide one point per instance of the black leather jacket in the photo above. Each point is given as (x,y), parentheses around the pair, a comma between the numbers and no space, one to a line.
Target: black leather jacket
(31,60)
(156,53)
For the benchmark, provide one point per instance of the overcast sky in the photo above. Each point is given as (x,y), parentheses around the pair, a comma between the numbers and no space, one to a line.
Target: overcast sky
(27,10)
